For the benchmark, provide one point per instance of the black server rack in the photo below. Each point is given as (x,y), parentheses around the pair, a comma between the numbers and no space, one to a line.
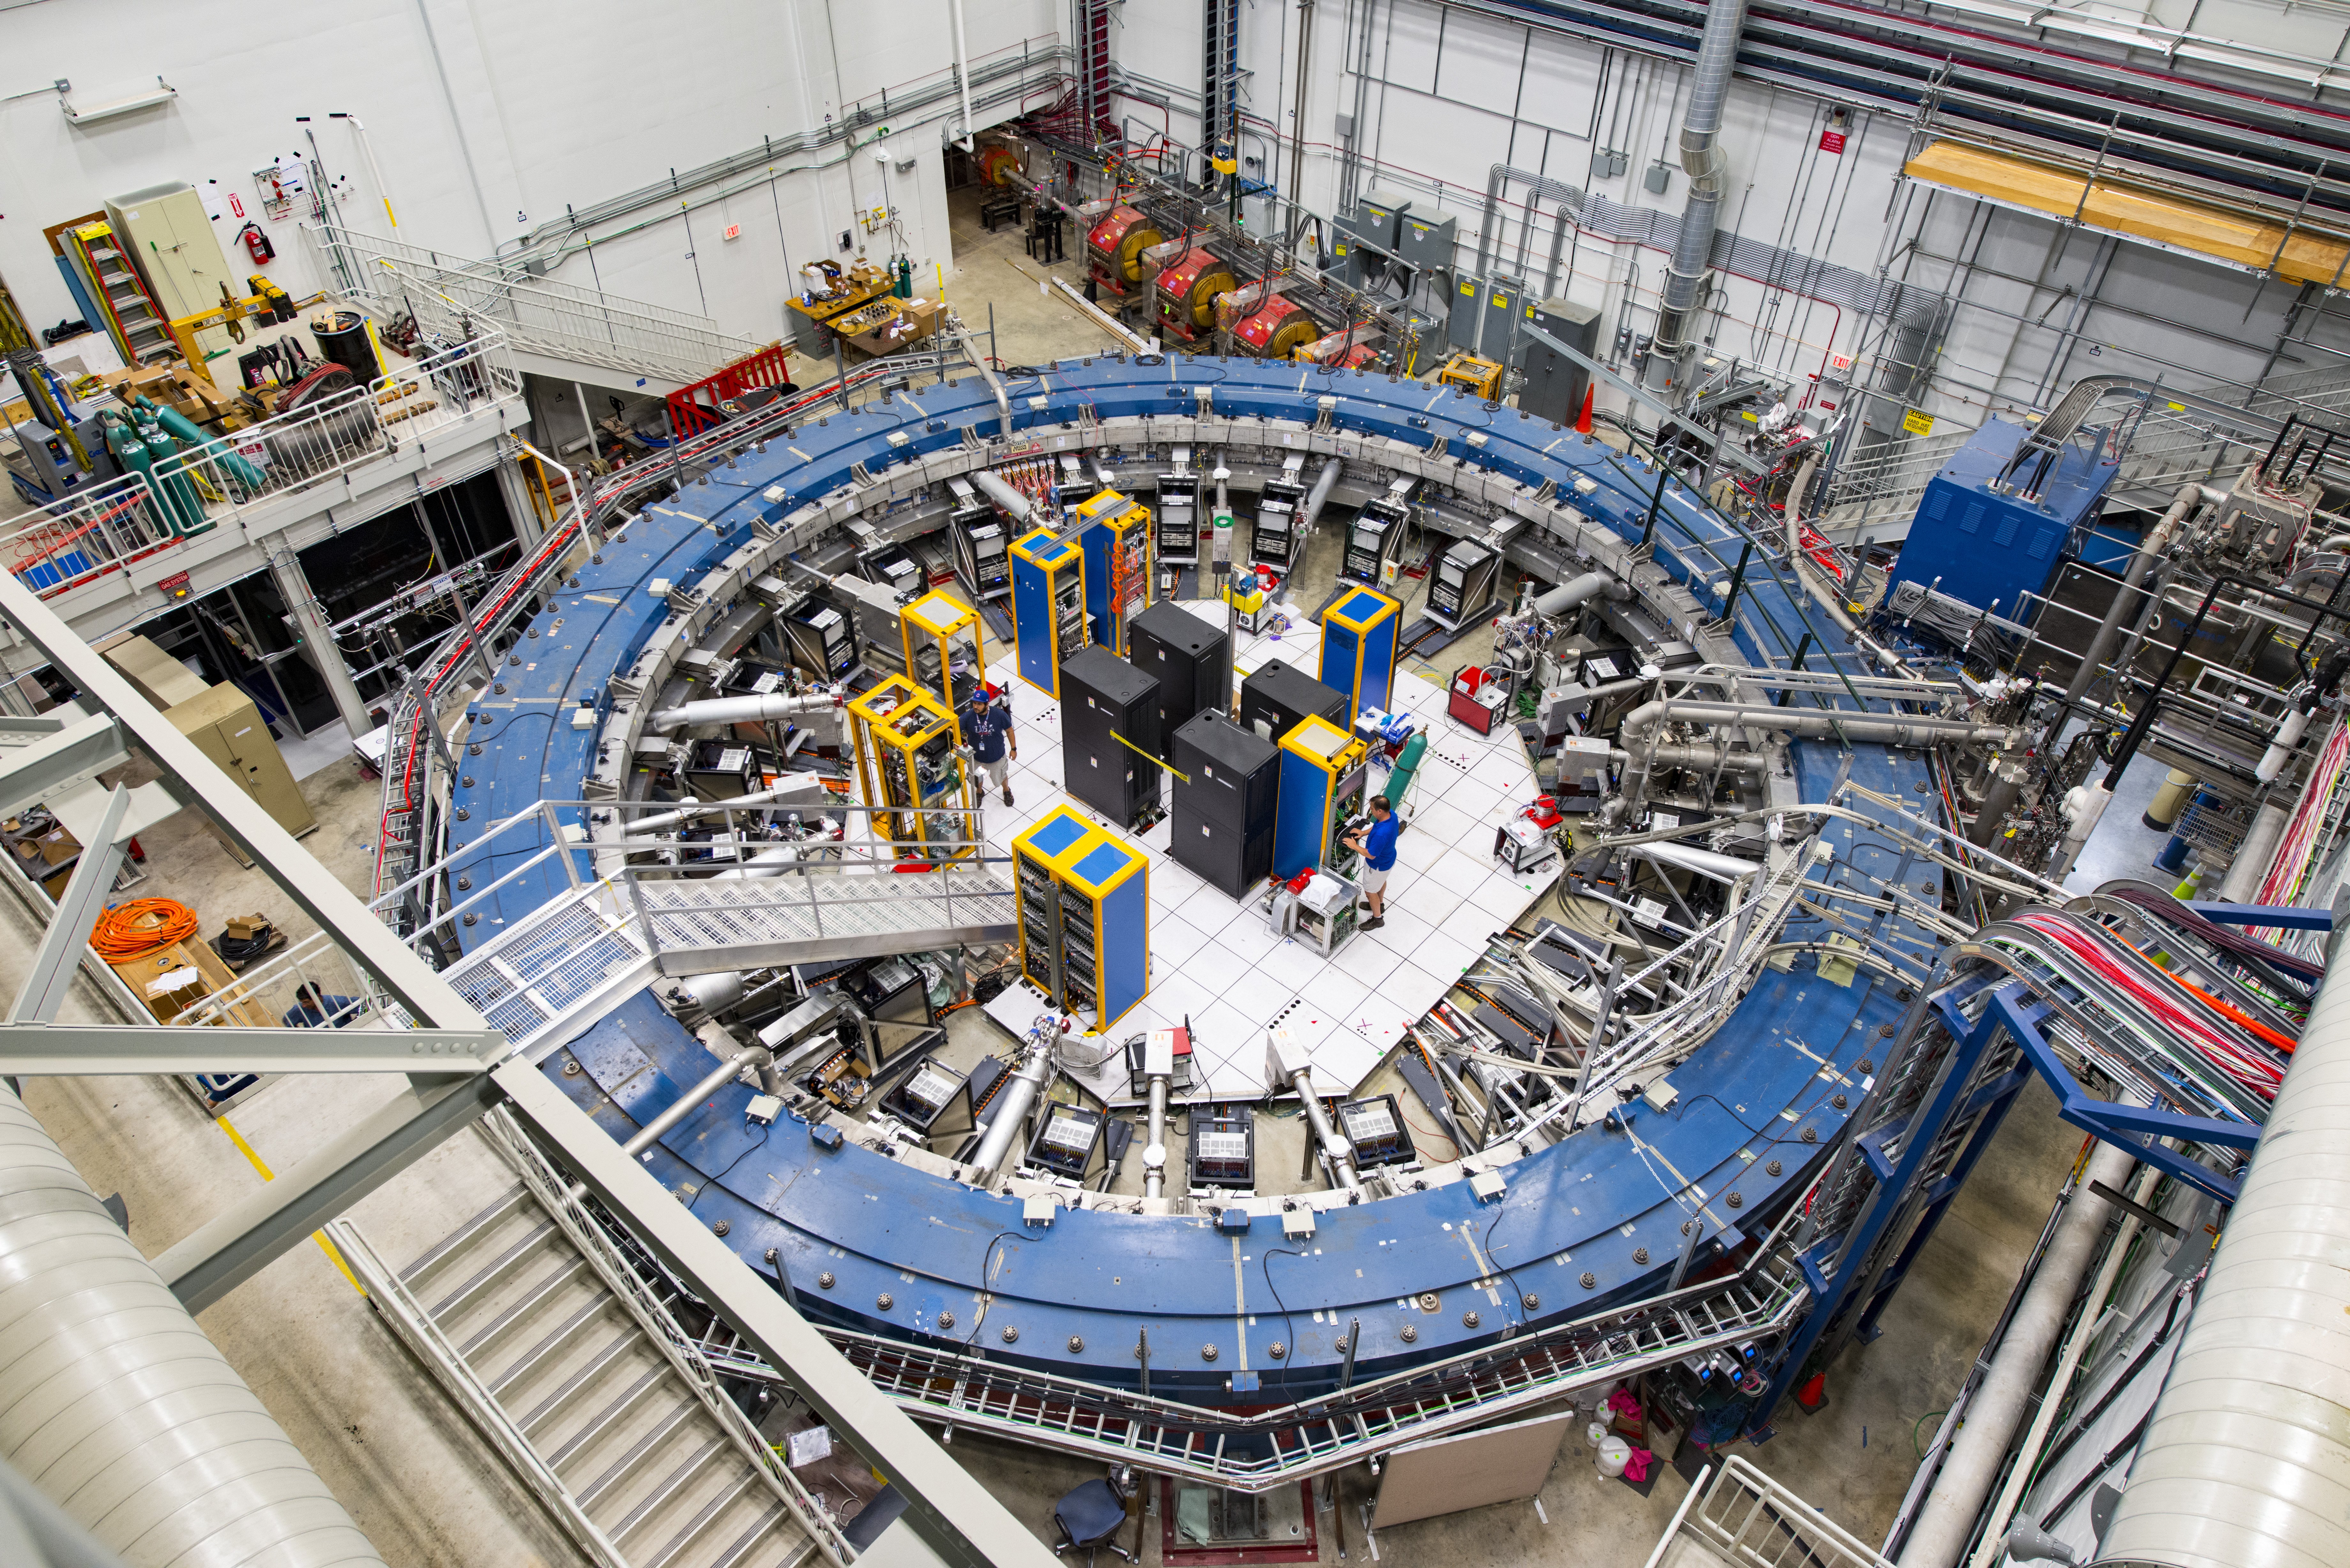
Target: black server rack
(1109,735)
(983,554)
(1462,588)
(1277,698)
(1274,538)
(1374,538)
(1177,520)
(1190,660)
(1228,783)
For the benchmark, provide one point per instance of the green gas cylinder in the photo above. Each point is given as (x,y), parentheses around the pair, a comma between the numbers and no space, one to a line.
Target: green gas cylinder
(1406,770)
(173,488)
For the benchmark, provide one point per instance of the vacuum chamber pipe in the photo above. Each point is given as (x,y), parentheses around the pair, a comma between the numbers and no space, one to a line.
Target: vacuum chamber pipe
(1334,1148)
(740,709)
(1997,1408)
(2149,550)
(1580,590)
(1316,499)
(1011,1110)
(1641,724)
(1016,507)
(694,1099)
(693,809)
(1154,1148)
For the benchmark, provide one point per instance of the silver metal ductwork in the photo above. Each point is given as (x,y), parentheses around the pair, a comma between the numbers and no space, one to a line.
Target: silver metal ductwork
(1717,56)
(113,1403)
(2245,1462)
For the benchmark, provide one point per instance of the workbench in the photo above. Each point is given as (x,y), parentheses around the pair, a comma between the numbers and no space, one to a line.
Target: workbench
(808,330)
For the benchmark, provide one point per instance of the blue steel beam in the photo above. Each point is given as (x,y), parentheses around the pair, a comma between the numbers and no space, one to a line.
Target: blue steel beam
(2280,917)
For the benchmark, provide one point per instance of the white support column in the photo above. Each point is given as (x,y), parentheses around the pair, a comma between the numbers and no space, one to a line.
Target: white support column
(325,654)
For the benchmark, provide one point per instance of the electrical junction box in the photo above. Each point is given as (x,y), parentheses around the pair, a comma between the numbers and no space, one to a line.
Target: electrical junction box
(762,1109)
(583,718)
(1297,1224)
(658,587)
(1988,545)
(1487,1185)
(1037,1209)
(1233,1220)
(1659,1094)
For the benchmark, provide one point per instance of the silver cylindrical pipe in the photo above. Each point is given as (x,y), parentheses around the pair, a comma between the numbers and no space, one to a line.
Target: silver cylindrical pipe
(1011,1110)
(1998,1406)
(2251,866)
(2243,1459)
(1700,758)
(1641,723)
(1335,1151)
(1016,507)
(1154,1174)
(1316,498)
(775,861)
(756,710)
(2149,550)
(694,809)
(1579,590)
(150,1441)
(717,1078)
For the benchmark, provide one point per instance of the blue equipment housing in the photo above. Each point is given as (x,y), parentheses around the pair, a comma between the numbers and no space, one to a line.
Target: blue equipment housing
(1358,648)
(1979,529)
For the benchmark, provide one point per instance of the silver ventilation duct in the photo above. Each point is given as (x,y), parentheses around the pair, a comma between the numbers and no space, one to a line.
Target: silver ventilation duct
(1717,56)
(114,1403)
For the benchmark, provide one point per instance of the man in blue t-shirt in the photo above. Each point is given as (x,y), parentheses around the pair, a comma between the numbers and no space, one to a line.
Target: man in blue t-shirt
(1377,844)
(990,734)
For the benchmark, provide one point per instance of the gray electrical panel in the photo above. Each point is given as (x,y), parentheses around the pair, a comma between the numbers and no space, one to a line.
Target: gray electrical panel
(1554,385)
(1468,312)
(1376,214)
(1424,238)
(1362,241)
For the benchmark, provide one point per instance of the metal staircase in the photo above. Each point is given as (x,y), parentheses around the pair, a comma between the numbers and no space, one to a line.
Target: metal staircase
(536,1326)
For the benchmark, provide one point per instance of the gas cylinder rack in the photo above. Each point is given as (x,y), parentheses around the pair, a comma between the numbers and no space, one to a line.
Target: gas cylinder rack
(1359,649)
(1048,607)
(1114,532)
(944,656)
(1085,917)
(909,764)
(1324,780)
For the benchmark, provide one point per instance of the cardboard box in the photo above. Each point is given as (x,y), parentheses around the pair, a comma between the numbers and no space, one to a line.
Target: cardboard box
(244,927)
(926,314)
(58,847)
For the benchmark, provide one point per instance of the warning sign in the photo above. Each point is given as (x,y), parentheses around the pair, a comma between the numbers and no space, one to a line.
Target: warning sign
(1918,423)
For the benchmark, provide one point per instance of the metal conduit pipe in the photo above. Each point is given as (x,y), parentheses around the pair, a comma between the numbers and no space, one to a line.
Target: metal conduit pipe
(689,812)
(717,1078)
(1696,758)
(1580,590)
(1335,1150)
(121,1410)
(1716,54)
(1316,499)
(740,709)
(2000,1403)
(1883,729)
(1801,565)
(1003,399)
(2243,1459)
(2149,550)
(1017,507)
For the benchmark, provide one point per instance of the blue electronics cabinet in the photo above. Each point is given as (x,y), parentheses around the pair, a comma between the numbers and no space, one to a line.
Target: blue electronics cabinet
(1048,607)
(1325,781)
(1995,522)
(1358,648)
(1114,532)
(1085,917)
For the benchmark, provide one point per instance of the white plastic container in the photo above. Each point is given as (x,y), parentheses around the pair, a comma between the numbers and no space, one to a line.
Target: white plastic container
(1597,1433)
(1615,1453)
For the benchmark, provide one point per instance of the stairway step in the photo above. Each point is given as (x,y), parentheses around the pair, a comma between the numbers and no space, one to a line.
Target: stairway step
(574,1386)
(739,1556)
(552,1343)
(534,1300)
(495,1271)
(618,1471)
(456,1239)
(668,1555)
(604,1419)
(670,1487)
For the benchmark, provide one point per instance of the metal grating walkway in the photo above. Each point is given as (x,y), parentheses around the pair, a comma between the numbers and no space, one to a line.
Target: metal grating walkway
(852,911)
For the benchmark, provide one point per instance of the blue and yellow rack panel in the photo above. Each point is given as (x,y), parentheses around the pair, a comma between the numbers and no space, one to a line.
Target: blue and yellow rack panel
(939,629)
(1358,648)
(1085,917)
(1048,607)
(1324,779)
(1111,528)
(909,764)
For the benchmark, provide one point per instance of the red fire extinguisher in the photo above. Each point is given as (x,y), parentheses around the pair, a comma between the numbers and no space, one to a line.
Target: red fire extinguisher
(256,244)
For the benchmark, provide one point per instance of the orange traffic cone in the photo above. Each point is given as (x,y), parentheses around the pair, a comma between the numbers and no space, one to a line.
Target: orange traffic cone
(1582,420)
(1814,1394)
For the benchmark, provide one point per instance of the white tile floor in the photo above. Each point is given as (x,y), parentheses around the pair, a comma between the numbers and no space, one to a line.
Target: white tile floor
(1216,961)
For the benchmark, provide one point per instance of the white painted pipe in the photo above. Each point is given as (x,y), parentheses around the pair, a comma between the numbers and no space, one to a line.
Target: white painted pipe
(756,709)
(1997,1408)
(963,75)
(2251,866)
(1579,590)
(717,1078)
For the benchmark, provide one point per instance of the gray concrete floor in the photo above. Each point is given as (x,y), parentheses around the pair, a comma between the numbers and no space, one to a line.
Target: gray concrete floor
(427,1492)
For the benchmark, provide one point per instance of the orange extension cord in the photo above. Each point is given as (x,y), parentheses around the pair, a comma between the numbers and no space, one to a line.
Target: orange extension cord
(140,926)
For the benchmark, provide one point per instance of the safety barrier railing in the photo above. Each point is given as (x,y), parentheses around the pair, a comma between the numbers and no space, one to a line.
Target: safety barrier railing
(98,532)
(689,414)
(560,320)
(1743,1516)
(228,474)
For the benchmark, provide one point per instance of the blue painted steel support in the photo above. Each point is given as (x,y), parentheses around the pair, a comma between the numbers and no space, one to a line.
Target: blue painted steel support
(2283,917)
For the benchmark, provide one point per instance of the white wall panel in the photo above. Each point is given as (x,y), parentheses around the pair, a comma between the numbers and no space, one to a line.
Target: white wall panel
(1408,44)
(1480,61)
(1562,84)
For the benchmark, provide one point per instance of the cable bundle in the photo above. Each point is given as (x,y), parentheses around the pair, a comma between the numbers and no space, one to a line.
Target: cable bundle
(140,926)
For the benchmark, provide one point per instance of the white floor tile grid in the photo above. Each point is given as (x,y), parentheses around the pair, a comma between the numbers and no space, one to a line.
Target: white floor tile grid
(1216,961)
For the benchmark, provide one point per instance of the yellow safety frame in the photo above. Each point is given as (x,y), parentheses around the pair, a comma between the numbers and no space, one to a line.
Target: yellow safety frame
(899,716)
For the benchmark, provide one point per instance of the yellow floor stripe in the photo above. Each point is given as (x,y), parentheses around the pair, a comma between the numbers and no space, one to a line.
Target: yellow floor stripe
(333,1255)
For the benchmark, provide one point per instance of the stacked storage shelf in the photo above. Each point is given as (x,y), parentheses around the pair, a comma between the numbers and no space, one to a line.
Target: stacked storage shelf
(1085,917)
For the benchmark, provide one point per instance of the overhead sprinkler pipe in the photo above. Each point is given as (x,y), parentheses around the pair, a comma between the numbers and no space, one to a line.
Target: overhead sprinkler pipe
(962,79)
(1716,54)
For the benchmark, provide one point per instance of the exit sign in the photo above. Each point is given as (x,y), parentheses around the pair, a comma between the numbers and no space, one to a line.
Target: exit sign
(734,230)
(1840,361)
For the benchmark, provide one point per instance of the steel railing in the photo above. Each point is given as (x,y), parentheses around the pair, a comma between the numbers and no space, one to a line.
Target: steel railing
(391,278)
(141,517)
(1744,1517)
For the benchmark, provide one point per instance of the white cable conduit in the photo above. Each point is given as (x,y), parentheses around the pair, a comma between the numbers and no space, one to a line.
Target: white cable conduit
(2245,1462)
(114,1403)
(1997,1408)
